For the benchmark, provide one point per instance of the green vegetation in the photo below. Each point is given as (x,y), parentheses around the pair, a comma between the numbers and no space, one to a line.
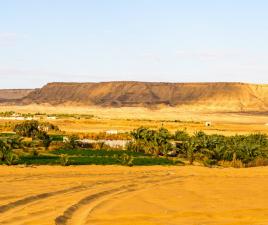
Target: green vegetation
(7,146)
(151,141)
(101,153)
(33,127)
(72,142)
(75,116)
(39,114)
(56,137)
(7,135)
(32,144)
(66,160)
(236,151)
(45,138)
(7,113)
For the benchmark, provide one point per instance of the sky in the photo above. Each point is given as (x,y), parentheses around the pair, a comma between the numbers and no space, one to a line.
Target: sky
(45,41)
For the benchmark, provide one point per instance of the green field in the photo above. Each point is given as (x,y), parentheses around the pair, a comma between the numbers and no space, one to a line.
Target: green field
(93,157)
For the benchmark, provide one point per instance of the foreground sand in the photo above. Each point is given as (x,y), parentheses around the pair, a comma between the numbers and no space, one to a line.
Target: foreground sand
(114,195)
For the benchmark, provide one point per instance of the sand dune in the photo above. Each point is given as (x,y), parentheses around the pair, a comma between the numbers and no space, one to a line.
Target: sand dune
(114,195)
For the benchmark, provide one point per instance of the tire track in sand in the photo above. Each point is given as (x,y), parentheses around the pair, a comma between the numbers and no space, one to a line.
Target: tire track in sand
(70,212)
(34,199)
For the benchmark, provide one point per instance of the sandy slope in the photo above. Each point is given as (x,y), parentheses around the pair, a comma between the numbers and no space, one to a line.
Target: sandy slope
(114,195)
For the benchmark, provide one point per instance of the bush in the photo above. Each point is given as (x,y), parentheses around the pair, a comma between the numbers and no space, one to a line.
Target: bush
(258,162)
(11,159)
(209,162)
(124,159)
(72,142)
(181,135)
(27,128)
(35,152)
(44,137)
(33,127)
(64,159)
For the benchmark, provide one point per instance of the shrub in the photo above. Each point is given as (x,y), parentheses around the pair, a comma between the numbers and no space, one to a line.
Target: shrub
(72,142)
(181,135)
(27,128)
(44,137)
(237,164)
(35,152)
(33,127)
(209,162)
(11,159)
(126,160)
(6,150)
(64,159)
(258,162)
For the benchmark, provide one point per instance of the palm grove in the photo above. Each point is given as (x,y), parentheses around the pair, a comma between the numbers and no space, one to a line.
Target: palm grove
(156,146)
(237,151)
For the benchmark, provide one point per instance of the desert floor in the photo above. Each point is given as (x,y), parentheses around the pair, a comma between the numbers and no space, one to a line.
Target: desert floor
(115,195)
(127,118)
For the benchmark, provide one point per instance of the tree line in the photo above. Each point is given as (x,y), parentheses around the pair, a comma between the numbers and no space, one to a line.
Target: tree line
(238,150)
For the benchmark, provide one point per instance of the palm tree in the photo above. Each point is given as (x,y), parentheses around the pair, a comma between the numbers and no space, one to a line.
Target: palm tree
(5,149)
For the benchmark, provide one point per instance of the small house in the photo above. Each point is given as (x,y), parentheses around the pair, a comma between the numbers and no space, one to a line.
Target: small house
(111,132)
(51,117)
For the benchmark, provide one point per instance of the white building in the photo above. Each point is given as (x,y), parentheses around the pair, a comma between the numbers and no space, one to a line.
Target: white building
(111,131)
(51,117)
(111,143)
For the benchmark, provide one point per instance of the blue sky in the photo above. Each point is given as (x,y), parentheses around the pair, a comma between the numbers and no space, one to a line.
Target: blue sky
(148,40)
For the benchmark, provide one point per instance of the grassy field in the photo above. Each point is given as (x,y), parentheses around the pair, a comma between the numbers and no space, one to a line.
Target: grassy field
(94,157)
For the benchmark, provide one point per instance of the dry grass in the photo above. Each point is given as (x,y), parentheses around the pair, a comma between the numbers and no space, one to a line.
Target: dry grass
(126,119)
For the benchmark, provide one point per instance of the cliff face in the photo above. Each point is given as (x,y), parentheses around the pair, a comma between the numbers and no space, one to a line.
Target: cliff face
(218,96)
(200,96)
(6,94)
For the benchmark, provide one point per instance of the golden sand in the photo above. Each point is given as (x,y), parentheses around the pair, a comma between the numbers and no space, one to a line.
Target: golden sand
(115,195)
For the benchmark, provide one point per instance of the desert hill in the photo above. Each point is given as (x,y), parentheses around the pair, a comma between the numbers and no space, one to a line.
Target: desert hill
(200,96)
(7,94)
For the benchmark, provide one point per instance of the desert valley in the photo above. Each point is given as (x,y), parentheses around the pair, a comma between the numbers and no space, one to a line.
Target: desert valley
(144,112)
(121,153)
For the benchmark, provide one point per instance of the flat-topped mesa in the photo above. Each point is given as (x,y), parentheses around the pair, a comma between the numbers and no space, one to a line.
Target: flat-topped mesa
(219,96)
(7,94)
